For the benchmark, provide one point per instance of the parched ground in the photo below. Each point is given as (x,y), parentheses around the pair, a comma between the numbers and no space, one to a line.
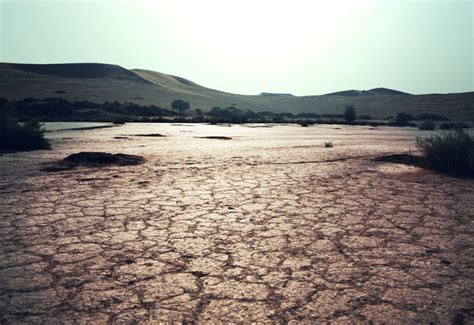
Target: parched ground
(267,227)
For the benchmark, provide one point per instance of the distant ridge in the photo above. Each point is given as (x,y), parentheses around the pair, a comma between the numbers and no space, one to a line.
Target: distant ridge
(372,92)
(277,94)
(75,70)
(387,91)
(99,83)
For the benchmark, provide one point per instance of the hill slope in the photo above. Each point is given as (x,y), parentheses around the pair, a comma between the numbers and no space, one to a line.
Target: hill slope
(104,82)
(72,70)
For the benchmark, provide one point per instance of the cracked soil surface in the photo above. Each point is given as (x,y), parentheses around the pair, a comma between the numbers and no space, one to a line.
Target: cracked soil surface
(267,227)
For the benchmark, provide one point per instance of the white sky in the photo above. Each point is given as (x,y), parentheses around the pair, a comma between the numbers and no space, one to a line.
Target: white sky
(301,46)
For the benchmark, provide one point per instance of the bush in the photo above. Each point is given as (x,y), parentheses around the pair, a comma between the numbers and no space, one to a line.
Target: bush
(118,121)
(450,126)
(349,113)
(451,151)
(15,137)
(22,138)
(333,116)
(308,115)
(305,123)
(402,119)
(427,125)
(232,114)
(429,116)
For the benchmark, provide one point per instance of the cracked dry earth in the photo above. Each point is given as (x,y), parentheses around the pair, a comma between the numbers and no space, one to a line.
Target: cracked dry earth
(267,227)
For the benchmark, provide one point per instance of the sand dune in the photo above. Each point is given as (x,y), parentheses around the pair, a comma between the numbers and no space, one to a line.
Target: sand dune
(104,82)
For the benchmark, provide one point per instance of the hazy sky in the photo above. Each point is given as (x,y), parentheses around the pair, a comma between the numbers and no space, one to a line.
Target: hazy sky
(250,46)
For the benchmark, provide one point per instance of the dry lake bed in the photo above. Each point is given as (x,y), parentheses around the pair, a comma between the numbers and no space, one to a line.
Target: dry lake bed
(269,226)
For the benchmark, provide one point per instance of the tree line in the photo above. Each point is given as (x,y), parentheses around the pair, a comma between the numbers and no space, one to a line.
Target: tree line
(59,109)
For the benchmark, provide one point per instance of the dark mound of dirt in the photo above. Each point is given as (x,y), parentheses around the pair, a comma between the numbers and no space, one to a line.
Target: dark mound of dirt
(104,158)
(215,137)
(94,159)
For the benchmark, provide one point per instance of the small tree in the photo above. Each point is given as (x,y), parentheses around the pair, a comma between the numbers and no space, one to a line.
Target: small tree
(349,113)
(180,105)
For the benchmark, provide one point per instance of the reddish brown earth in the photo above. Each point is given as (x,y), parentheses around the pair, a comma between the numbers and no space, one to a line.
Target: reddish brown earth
(267,226)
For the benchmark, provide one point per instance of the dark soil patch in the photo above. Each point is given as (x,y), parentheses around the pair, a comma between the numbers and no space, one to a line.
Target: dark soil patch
(55,168)
(404,159)
(153,135)
(215,137)
(418,161)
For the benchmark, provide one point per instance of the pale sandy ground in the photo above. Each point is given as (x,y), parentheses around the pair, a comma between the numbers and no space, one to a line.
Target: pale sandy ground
(268,226)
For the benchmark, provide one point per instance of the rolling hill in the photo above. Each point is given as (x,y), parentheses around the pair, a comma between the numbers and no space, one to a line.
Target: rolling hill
(104,82)
(371,92)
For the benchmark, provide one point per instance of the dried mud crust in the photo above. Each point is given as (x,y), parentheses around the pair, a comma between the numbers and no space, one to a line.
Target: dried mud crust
(342,241)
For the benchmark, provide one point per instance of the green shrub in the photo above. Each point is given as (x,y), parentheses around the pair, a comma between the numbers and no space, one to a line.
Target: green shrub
(427,125)
(450,151)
